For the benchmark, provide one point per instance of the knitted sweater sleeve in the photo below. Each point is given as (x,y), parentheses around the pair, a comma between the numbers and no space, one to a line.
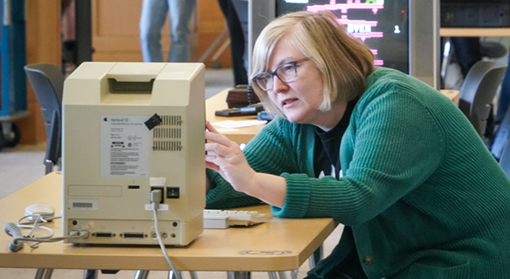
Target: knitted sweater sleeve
(392,145)
(270,151)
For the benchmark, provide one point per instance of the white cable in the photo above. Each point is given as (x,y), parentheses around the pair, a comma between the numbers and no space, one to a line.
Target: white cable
(54,239)
(35,225)
(155,204)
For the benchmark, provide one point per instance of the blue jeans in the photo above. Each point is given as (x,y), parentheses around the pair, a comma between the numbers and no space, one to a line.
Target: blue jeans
(151,21)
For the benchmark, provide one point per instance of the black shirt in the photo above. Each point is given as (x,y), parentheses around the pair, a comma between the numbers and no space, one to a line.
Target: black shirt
(327,163)
(327,146)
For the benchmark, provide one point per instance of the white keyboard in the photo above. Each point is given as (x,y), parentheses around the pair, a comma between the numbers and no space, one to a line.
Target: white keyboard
(222,219)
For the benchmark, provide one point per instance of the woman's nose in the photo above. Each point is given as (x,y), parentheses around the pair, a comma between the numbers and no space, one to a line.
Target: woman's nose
(279,85)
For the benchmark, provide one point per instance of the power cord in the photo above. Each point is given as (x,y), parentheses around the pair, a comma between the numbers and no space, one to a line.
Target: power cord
(156,200)
(19,239)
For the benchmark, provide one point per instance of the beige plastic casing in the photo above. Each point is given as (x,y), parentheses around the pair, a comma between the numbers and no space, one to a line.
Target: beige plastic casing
(114,205)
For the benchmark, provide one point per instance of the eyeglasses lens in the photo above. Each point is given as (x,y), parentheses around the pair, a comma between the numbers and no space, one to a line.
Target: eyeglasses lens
(286,72)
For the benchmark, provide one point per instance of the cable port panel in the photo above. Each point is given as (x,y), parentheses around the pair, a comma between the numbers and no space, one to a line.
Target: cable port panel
(103,234)
(133,235)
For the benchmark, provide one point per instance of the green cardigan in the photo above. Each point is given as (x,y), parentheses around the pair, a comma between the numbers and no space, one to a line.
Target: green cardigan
(421,196)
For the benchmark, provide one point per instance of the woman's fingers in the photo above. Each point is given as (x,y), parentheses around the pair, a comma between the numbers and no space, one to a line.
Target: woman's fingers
(218,148)
(211,134)
(210,127)
(220,139)
(212,166)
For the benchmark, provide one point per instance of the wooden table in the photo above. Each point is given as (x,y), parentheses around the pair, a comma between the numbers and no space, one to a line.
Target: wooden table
(244,135)
(277,245)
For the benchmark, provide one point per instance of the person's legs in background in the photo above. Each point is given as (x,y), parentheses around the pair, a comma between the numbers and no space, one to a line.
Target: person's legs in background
(237,41)
(468,51)
(152,18)
(180,16)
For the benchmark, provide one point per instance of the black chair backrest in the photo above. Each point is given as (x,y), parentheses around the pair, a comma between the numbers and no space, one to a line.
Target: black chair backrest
(478,91)
(47,81)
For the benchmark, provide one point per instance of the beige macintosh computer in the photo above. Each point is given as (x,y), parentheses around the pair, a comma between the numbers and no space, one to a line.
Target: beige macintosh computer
(133,153)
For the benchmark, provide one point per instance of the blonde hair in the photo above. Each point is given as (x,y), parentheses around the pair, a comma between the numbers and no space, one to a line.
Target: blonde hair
(343,61)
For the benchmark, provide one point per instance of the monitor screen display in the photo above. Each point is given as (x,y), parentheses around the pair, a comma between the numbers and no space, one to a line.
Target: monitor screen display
(381,25)
(402,34)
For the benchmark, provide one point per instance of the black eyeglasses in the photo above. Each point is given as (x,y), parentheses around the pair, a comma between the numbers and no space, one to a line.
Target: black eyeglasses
(286,72)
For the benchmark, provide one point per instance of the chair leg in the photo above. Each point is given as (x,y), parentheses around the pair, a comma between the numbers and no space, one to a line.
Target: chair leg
(272,275)
(193,275)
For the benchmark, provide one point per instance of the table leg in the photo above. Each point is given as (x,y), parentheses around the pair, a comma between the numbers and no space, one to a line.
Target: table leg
(315,257)
(293,274)
(272,275)
(43,273)
(171,274)
(90,274)
(282,275)
(238,275)
(141,274)
(193,274)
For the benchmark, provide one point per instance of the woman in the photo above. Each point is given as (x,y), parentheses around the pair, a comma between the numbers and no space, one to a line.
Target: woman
(419,193)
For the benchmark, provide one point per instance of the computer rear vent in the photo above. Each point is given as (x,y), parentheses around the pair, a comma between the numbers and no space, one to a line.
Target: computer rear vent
(166,136)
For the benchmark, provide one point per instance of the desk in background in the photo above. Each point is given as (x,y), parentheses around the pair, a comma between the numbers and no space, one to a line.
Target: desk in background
(218,102)
(277,245)
(474,32)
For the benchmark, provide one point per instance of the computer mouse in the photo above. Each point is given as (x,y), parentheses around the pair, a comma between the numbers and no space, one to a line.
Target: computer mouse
(45,210)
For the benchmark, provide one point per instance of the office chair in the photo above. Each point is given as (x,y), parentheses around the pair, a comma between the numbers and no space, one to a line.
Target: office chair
(478,91)
(47,81)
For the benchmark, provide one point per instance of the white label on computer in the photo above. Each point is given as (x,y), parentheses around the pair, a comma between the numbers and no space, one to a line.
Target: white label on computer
(162,207)
(125,145)
(83,204)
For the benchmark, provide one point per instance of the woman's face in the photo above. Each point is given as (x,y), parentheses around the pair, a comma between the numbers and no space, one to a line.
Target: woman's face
(300,98)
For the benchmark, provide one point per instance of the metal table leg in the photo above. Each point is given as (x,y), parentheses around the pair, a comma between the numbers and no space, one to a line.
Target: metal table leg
(293,274)
(90,274)
(43,273)
(238,275)
(141,274)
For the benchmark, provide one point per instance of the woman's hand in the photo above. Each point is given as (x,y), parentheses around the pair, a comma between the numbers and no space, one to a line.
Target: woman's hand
(225,157)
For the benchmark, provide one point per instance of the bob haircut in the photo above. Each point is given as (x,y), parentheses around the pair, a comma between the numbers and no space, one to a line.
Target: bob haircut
(343,61)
